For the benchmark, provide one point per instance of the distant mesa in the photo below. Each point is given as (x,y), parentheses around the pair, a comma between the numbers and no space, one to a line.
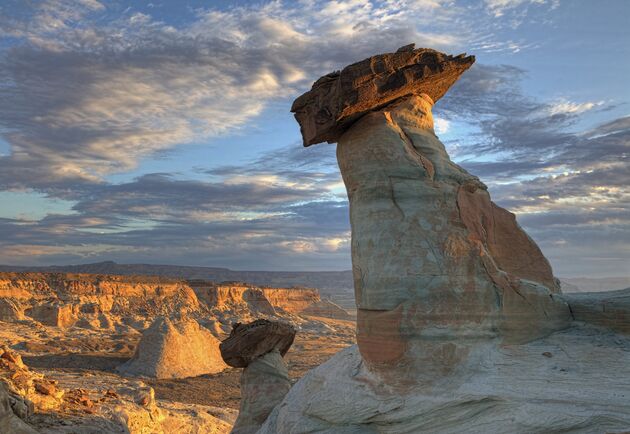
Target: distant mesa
(340,98)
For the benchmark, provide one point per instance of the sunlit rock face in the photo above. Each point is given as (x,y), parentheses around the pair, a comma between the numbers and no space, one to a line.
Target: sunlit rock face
(461,326)
(437,266)
(178,348)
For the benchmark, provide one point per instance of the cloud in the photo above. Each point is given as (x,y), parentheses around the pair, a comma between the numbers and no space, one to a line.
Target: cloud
(564,107)
(85,96)
(88,91)
(500,7)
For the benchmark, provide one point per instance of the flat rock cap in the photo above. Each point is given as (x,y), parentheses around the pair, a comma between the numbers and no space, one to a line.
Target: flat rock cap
(247,342)
(339,99)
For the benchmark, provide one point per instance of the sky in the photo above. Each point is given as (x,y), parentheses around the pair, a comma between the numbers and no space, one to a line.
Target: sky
(160,132)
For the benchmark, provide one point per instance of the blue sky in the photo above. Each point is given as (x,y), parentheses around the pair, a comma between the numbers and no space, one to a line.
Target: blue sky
(160,131)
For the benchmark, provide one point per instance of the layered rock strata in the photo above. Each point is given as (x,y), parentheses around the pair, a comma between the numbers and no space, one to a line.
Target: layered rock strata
(458,312)
(259,347)
(610,309)
(112,302)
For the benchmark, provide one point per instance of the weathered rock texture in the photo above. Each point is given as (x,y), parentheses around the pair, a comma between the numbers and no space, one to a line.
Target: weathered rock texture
(259,347)
(10,422)
(576,381)
(10,310)
(610,309)
(458,311)
(41,392)
(117,303)
(248,342)
(175,349)
(264,383)
(340,98)
(437,265)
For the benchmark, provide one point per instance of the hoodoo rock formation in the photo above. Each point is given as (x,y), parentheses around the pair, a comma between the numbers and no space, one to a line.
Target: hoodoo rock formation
(259,347)
(460,322)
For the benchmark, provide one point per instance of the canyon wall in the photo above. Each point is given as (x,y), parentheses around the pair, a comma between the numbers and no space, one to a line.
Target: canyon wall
(64,299)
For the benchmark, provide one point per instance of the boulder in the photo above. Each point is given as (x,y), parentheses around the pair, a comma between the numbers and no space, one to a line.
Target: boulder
(338,99)
(175,349)
(247,342)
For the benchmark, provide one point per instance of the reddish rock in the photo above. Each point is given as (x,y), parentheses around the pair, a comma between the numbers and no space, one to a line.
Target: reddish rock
(511,248)
(45,388)
(247,342)
(338,99)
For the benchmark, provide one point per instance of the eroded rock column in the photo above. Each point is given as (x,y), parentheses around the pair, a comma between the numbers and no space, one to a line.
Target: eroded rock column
(259,347)
(438,268)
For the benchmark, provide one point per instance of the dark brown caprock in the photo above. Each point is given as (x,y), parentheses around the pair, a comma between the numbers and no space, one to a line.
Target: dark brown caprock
(338,99)
(247,342)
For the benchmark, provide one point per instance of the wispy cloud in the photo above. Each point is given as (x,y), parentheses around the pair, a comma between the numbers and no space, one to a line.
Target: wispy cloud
(499,7)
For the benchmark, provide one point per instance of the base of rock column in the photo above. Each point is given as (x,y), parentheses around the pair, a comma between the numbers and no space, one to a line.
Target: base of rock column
(575,381)
(264,383)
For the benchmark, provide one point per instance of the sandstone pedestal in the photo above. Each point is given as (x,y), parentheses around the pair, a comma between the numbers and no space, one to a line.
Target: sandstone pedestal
(259,347)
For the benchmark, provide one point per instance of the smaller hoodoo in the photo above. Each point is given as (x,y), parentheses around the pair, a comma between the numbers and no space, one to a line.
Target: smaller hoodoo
(259,347)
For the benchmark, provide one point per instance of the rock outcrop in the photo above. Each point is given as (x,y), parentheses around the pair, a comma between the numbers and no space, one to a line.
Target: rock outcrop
(264,383)
(458,312)
(259,347)
(10,422)
(26,391)
(120,303)
(175,349)
(10,310)
(64,300)
(54,314)
(240,297)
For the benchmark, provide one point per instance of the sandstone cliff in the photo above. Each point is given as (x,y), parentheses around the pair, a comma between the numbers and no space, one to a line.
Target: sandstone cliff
(106,301)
